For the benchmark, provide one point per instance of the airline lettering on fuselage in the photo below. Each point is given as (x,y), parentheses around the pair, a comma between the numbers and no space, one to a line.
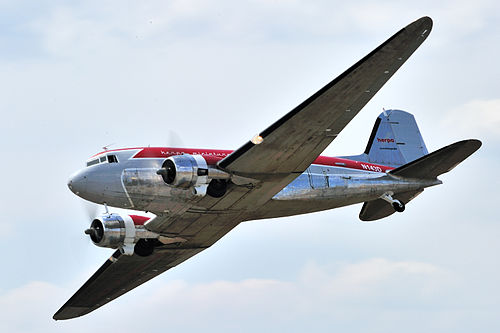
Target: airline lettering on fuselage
(371,167)
(385,140)
(170,153)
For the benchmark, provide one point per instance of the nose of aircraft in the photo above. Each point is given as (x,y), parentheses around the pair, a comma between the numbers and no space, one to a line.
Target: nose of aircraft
(77,182)
(99,184)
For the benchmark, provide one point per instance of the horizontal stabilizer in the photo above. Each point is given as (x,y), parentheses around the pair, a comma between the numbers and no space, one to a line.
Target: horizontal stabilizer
(377,209)
(427,167)
(436,163)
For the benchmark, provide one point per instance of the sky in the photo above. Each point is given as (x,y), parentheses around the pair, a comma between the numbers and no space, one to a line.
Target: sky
(80,75)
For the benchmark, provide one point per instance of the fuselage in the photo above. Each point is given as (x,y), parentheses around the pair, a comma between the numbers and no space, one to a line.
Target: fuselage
(127,178)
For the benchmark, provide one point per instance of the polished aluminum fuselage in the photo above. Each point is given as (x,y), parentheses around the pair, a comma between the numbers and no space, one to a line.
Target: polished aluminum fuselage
(132,183)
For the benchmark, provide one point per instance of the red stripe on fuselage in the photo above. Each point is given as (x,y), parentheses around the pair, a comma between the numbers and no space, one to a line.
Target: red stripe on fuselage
(212,156)
(350,164)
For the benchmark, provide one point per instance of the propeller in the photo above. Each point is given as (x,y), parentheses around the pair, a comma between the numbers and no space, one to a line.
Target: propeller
(167,171)
(174,139)
(96,231)
(91,209)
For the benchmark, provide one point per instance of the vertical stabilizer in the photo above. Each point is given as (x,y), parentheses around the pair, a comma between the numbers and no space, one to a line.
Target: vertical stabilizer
(395,140)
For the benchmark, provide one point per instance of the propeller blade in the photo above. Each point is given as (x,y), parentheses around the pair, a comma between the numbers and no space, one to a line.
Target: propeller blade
(174,139)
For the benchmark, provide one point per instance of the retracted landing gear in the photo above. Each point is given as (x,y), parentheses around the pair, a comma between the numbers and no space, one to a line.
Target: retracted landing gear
(217,188)
(396,204)
(145,247)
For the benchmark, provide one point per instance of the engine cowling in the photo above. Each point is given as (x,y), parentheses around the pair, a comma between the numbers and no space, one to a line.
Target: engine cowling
(185,171)
(119,232)
(108,231)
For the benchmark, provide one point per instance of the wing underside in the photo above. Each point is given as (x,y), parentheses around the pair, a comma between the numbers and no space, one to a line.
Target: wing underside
(118,275)
(122,273)
(292,143)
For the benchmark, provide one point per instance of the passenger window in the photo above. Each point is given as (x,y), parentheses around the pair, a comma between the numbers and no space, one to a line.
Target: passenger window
(112,159)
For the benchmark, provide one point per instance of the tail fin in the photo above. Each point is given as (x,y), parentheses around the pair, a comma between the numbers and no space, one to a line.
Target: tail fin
(395,140)
(427,167)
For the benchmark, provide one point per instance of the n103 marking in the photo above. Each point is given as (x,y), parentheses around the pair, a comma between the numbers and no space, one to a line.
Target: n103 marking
(371,167)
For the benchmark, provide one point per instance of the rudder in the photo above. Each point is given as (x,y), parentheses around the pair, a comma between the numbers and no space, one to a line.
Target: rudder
(394,141)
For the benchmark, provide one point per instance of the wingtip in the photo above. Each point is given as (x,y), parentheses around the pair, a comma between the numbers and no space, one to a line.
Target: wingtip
(423,25)
(475,143)
(57,316)
(420,28)
(70,312)
(425,21)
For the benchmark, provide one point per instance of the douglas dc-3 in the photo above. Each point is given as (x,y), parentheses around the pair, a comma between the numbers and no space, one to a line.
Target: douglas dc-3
(199,195)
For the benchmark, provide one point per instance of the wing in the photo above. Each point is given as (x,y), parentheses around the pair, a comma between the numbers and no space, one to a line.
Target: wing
(118,275)
(292,143)
(122,273)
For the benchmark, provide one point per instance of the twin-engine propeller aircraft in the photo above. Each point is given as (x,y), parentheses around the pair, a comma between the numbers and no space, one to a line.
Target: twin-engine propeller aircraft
(199,195)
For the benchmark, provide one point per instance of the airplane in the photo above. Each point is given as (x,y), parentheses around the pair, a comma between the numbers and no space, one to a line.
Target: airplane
(199,195)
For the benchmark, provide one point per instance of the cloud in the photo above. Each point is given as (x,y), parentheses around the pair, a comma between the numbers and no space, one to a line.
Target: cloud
(332,294)
(476,118)
(26,309)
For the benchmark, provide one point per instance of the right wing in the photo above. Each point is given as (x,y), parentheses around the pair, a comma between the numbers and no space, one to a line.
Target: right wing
(118,275)
(122,273)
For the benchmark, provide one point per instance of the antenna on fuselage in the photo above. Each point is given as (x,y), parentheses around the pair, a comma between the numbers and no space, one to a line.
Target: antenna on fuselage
(106,147)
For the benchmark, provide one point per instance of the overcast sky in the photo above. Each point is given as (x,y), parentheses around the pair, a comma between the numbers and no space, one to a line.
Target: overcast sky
(76,76)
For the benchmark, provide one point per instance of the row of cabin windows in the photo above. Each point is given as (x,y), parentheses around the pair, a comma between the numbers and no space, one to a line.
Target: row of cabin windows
(103,159)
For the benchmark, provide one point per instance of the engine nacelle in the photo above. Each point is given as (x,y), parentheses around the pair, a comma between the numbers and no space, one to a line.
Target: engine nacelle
(187,171)
(119,232)
(184,171)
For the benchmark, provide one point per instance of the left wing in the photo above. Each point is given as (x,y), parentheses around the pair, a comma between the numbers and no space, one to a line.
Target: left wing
(292,143)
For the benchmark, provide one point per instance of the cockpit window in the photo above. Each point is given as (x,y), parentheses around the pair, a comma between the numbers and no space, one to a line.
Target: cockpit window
(112,159)
(92,162)
(103,159)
